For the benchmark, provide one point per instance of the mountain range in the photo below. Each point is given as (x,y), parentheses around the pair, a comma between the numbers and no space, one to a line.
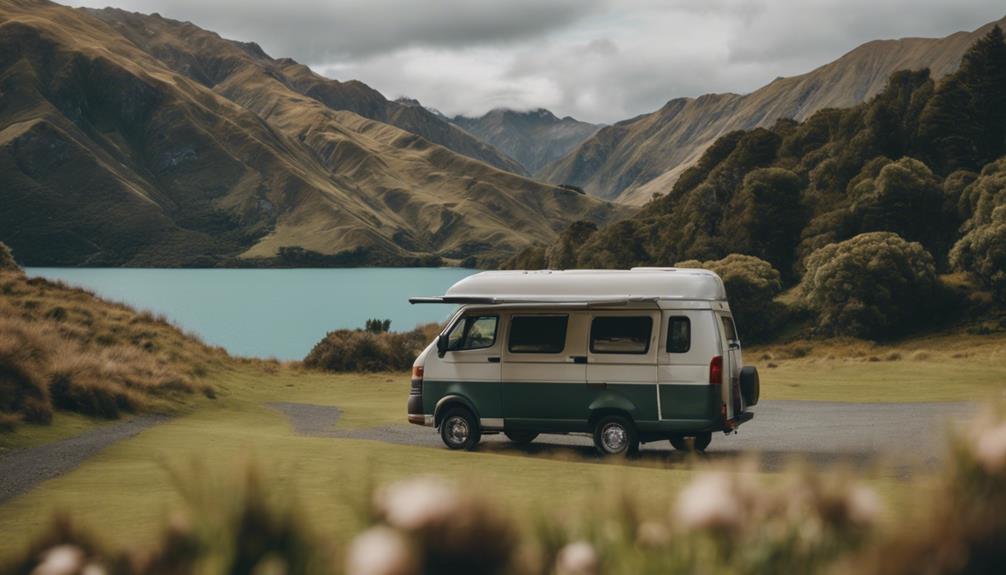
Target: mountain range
(534,138)
(128,139)
(132,139)
(632,160)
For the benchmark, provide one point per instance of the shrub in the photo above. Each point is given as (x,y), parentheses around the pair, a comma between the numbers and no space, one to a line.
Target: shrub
(363,350)
(7,262)
(982,252)
(873,285)
(752,285)
(377,325)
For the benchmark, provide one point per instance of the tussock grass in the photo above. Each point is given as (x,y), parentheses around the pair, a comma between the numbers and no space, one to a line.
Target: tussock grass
(65,348)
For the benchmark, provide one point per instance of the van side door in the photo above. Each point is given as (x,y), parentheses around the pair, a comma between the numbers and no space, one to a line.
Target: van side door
(622,362)
(544,370)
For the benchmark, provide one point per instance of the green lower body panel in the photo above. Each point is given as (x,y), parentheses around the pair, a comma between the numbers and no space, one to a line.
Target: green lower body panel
(568,407)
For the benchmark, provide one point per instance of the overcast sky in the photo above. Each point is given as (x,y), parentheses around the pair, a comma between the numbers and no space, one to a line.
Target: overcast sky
(597,60)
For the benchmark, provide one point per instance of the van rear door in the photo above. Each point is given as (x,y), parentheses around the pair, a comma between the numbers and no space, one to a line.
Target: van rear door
(731,365)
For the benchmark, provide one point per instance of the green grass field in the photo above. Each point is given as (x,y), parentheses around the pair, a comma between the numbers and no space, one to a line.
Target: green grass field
(127,490)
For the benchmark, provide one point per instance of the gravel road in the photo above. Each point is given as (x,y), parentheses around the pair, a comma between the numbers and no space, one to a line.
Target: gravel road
(23,469)
(907,436)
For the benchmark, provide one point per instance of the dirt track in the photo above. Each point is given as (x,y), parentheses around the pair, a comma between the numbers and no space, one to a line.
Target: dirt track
(23,469)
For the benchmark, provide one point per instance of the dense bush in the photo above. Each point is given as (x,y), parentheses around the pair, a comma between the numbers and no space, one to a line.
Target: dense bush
(874,285)
(982,250)
(363,350)
(752,285)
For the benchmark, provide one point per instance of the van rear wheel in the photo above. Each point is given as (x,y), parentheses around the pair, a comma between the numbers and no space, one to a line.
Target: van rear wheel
(697,442)
(521,437)
(460,429)
(615,435)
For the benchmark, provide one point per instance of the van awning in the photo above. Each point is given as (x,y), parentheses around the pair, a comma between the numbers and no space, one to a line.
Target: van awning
(564,300)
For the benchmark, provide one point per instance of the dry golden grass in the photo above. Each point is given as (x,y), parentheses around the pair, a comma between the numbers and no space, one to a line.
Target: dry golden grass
(64,348)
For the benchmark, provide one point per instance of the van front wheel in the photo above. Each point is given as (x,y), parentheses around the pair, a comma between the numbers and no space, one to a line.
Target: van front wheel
(460,430)
(615,435)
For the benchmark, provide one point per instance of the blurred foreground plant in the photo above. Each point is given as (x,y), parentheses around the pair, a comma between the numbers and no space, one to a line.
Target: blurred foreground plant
(728,519)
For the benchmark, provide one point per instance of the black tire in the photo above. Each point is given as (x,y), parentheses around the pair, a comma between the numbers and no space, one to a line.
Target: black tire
(699,441)
(750,385)
(521,437)
(460,430)
(615,435)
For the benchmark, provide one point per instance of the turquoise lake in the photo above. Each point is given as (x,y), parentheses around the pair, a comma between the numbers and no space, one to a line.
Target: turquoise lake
(277,313)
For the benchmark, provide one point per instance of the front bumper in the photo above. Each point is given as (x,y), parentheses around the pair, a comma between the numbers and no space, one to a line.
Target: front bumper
(420,419)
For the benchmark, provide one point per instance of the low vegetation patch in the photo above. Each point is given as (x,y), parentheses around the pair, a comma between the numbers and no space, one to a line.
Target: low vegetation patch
(728,519)
(65,348)
(371,349)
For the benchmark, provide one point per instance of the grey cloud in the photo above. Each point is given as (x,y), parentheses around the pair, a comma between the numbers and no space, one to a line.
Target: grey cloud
(597,60)
(316,31)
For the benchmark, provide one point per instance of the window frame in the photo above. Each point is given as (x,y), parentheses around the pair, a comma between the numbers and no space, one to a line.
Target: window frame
(733,328)
(688,322)
(590,336)
(470,320)
(565,333)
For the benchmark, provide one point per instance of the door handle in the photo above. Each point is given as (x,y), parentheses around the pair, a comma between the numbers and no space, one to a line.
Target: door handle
(494,359)
(578,358)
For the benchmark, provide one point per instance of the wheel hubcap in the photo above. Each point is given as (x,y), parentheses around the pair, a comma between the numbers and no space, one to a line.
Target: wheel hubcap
(614,437)
(457,430)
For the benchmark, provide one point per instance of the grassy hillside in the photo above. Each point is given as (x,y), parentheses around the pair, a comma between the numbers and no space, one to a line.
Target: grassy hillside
(534,138)
(64,350)
(208,59)
(111,156)
(636,158)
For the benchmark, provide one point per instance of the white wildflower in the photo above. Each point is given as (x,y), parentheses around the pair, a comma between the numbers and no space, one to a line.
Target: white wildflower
(60,560)
(381,551)
(577,558)
(990,449)
(709,502)
(864,505)
(415,503)
(653,534)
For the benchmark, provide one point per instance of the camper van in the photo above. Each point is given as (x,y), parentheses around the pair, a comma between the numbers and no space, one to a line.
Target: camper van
(627,356)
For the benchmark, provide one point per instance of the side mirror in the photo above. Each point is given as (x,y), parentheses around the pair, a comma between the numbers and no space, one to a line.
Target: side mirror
(441,345)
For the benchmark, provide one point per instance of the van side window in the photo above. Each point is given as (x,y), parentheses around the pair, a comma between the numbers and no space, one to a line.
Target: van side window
(728,329)
(473,332)
(620,334)
(538,333)
(679,335)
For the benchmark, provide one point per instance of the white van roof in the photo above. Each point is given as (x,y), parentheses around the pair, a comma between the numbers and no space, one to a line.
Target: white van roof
(583,286)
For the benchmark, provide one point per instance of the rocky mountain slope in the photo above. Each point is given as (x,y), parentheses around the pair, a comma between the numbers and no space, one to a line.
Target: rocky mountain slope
(135,140)
(634,159)
(534,138)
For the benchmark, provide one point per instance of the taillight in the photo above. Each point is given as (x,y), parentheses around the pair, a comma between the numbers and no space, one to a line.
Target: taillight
(716,371)
(417,380)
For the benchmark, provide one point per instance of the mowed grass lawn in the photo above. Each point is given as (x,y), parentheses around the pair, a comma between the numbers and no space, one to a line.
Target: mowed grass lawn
(126,491)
